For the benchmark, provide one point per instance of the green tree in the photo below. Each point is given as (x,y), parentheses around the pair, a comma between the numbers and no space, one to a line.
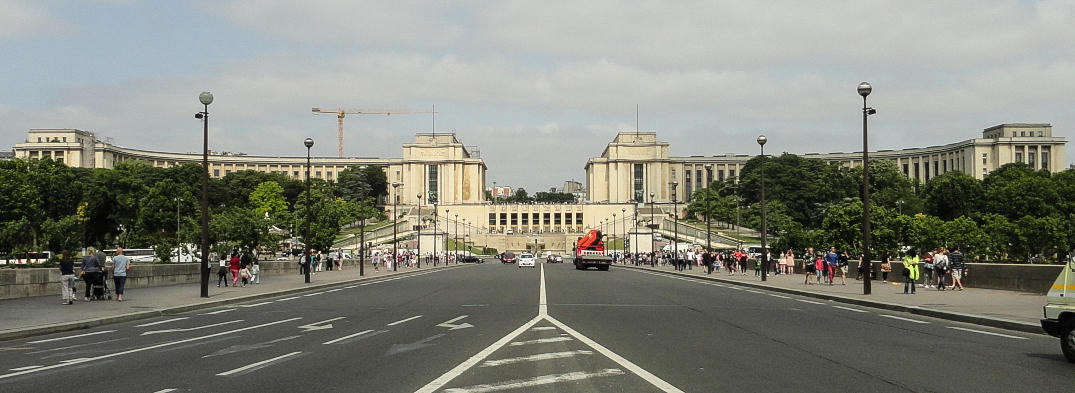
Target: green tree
(966,234)
(1016,190)
(268,200)
(952,195)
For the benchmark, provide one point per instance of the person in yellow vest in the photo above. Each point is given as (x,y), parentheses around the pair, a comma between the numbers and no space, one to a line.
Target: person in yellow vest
(911,271)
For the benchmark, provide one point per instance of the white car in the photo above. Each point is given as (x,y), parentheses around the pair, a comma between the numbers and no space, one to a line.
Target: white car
(526,259)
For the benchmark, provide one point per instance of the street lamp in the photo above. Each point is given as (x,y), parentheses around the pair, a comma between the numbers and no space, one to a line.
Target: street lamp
(178,242)
(675,224)
(652,230)
(613,225)
(395,226)
(205,98)
(309,142)
(708,230)
(456,237)
(624,211)
(419,256)
(864,90)
(433,199)
(446,228)
(764,251)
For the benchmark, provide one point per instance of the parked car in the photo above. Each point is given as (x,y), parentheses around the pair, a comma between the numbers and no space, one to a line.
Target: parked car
(527,259)
(470,259)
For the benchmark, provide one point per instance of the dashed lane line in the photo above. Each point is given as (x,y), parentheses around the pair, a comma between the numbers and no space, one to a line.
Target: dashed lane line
(68,337)
(190,329)
(808,301)
(536,381)
(160,322)
(347,337)
(850,309)
(289,298)
(903,319)
(989,333)
(219,311)
(255,366)
(254,305)
(404,320)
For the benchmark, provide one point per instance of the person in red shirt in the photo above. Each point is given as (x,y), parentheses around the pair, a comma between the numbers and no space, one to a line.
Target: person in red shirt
(233,265)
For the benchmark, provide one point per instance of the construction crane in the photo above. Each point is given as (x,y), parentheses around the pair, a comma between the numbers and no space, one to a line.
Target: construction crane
(340,113)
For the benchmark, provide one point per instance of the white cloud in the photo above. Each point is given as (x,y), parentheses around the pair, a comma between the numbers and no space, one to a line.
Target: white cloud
(22,19)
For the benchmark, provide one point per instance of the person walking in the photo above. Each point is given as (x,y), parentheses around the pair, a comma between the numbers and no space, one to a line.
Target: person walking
(956,265)
(911,271)
(819,268)
(121,265)
(940,267)
(91,272)
(808,267)
(234,263)
(244,274)
(842,262)
(927,265)
(832,260)
(886,266)
(788,263)
(222,273)
(255,273)
(67,279)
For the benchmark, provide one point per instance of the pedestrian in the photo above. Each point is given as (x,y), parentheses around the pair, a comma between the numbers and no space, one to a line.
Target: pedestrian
(234,263)
(244,273)
(222,273)
(940,267)
(911,271)
(743,263)
(707,260)
(832,260)
(121,265)
(927,265)
(819,268)
(886,265)
(376,259)
(842,262)
(255,273)
(67,279)
(758,264)
(788,263)
(91,272)
(956,266)
(809,267)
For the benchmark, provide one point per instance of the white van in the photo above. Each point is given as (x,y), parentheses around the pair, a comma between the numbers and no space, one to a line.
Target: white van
(1059,308)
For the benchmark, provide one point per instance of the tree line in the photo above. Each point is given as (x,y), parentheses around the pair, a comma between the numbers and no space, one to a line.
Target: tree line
(1015,214)
(46,205)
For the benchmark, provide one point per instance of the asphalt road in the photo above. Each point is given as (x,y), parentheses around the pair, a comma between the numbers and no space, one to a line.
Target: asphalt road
(495,327)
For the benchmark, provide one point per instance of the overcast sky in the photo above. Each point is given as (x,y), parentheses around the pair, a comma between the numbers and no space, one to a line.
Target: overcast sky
(538,86)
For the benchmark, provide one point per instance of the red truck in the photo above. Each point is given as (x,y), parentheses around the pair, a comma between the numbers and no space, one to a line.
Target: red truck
(590,252)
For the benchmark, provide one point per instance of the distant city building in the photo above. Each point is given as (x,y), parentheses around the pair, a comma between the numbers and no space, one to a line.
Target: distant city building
(571,187)
(501,191)
(636,164)
(7,155)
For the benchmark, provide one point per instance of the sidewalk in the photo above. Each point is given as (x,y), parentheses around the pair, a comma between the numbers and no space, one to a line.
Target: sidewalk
(45,314)
(1002,309)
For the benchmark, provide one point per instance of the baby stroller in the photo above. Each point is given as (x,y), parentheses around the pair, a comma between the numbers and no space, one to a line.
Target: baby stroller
(98,285)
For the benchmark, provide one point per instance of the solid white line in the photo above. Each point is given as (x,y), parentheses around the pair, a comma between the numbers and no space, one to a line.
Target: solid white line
(314,294)
(151,347)
(536,381)
(646,375)
(254,305)
(808,301)
(540,341)
(334,290)
(850,309)
(544,328)
(252,365)
(346,337)
(752,291)
(288,298)
(404,320)
(442,380)
(189,329)
(779,296)
(534,358)
(219,311)
(25,368)
(543,308)
(903,319)
(160,322)
(985,332)
(350,287)
(67,337)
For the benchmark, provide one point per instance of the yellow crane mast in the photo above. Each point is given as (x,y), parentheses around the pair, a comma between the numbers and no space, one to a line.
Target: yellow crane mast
(340,113)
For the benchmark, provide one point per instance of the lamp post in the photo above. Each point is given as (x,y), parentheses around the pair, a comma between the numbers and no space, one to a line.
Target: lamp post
(205,98)
(309,142)
(764,251)
(446,228)
(864,90)
(457,238)
(395,226)
(675,224)
(613,225)
(623,210)
(179,243)
(652,230)
(419,256)
(708,236)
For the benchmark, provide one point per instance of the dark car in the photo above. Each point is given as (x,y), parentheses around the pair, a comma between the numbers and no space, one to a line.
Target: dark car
(554,258)
(470,259)
(507,257)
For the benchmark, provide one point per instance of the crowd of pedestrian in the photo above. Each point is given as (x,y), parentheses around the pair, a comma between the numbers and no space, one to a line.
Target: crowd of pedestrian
(92,272)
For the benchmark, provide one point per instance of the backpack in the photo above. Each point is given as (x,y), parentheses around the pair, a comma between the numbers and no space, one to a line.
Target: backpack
(942,264)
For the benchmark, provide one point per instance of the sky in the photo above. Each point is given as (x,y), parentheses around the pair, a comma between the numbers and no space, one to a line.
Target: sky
(538,87)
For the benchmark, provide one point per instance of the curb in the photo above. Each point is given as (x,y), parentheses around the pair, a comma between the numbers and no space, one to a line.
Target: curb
(1000,323)
(85,324)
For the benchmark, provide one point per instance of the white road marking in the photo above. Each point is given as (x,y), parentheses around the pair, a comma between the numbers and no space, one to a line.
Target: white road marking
(67,337)
(536,381)
(646,375)
(544,328)
(474,305)
(318,325)
(289,298)
(404,320)
(808,301)
(534,358)
(903,319)
(165,390)
(314,294)
(540,341)
(334,290)
(160,322)
(25,368)
(220,311)
(189,329)
(752,291)
(258,364)
(543,307)
(850,309)
(346,337)
(779,296)
(985,332)
(450,324)
(351,287)
(151,347)
(456,371)
(254,305)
